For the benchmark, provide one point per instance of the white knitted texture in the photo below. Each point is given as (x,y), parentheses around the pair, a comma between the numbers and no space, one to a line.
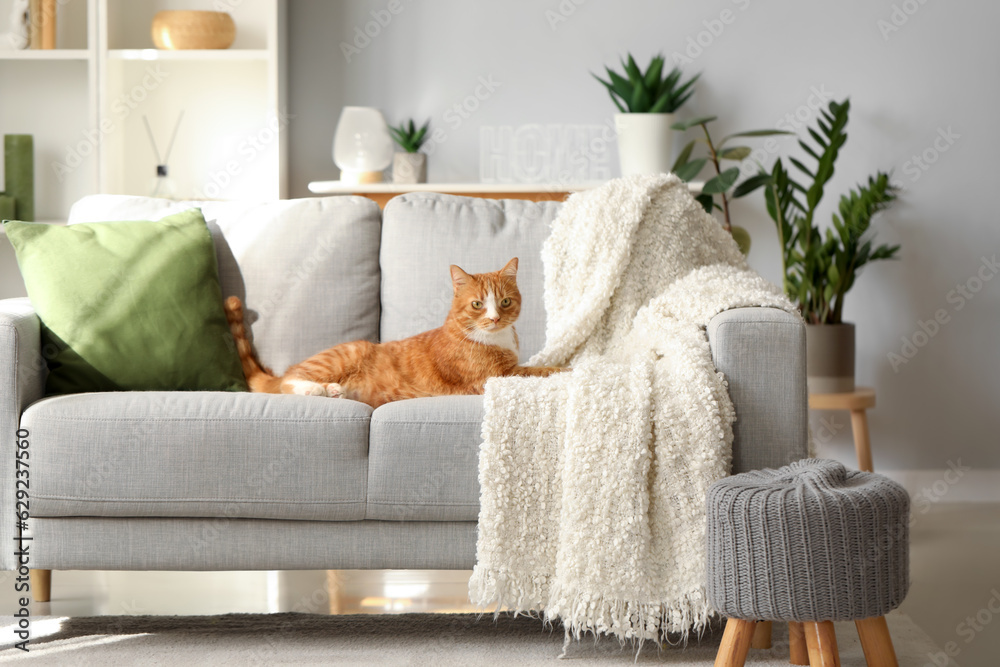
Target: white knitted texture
(593,482)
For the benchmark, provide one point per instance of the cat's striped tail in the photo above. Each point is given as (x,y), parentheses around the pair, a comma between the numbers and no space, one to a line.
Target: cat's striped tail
(258,377)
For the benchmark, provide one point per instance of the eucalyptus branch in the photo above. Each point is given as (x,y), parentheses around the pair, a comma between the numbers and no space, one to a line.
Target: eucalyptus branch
(727,225)
(724,182)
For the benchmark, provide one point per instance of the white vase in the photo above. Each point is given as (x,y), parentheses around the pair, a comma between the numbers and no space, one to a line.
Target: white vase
(409,168)
(644,142)
(362,147)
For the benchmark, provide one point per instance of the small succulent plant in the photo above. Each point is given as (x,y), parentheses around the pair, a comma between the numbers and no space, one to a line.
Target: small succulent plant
(650,91)
(409,137)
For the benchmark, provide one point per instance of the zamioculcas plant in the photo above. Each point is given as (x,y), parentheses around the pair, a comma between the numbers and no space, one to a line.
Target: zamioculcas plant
(687,167)
(650,91)
(409,138)
(820,268)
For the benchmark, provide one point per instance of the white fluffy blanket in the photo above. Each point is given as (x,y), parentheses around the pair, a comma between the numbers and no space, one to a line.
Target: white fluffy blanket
(593,481)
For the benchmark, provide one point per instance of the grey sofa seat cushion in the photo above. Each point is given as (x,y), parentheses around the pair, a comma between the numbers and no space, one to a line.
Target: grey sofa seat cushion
(307,269)
(198,454)
(423,464)
(424,233)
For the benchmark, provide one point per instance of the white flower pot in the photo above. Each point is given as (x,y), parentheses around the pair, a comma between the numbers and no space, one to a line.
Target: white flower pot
(409,168)
(644,142)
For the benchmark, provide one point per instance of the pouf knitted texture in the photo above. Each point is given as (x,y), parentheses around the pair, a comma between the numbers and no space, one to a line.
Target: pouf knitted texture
(808,542)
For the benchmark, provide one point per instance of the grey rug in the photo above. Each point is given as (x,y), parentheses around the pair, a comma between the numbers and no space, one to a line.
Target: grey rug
(438,640)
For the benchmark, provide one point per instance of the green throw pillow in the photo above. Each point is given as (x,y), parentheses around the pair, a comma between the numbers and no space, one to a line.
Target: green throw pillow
(128,305)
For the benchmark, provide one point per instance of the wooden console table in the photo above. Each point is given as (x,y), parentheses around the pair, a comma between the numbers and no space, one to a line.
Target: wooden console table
(381,193)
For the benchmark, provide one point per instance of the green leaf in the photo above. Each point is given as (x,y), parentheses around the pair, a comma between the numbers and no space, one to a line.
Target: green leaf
(742,238)
(707,202)
(634,74)
(691,169)
(818,139)
(687,84)
(752,133)
(752,183)
(683,157)
(652,78)
(620,85)
(679,96)
(801,167)
(683,125)
(640,102)
(811,152)
(677,103)
(611,92)
(669,82)
(661,105)
(735,153)
(722,182)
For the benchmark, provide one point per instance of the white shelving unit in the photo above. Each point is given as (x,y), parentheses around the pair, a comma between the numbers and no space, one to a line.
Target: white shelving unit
(52,95)
(84,103)
(194,54)
(53,54)
(231,143)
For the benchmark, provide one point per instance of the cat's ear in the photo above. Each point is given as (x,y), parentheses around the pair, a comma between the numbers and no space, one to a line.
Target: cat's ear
(510,269)
(459,278)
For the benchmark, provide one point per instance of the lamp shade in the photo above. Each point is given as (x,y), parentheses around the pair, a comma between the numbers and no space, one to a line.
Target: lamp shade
(362,147)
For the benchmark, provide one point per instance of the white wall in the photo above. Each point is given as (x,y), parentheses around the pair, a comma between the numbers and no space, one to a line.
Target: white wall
(935,74)
(11,284)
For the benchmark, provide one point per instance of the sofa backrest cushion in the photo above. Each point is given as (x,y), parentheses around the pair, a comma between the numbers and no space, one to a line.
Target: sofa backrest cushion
(306,269)
(423,233)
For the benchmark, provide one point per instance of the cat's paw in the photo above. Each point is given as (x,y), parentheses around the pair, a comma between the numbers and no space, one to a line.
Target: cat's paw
(334,390)
(307,388)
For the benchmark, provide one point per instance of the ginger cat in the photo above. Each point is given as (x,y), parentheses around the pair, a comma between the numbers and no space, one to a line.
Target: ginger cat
(477,342)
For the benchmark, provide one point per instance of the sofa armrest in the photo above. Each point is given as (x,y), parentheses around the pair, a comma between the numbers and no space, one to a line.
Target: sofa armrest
(762,352)
(22,382)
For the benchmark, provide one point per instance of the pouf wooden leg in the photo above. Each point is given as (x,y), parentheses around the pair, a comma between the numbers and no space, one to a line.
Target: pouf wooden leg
(876,642)
(822,644)
(761,635)
(798,653)
(735,643)
(41,585)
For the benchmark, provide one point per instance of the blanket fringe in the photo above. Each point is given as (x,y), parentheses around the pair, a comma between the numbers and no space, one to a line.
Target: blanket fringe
(630,621)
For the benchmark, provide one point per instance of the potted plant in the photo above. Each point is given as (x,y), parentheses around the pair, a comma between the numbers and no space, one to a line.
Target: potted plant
(409,166)
(647,102)
(820,268)
(687,166)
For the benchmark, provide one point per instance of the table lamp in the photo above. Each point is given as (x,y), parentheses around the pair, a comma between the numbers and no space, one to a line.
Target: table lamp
(362,147)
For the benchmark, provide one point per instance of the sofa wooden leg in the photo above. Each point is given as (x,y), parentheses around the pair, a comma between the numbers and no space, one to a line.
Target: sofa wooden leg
(822,644)
(735,643)
(798,653)
(41,585)
(876,642)
(761,635)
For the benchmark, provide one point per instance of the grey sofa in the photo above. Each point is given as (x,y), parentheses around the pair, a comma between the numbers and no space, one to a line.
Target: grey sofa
(238,481)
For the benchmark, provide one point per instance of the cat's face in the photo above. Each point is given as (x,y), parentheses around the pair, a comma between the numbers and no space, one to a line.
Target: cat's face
(487,302)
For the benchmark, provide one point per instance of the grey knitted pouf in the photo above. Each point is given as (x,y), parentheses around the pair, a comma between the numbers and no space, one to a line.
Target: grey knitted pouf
(808,542)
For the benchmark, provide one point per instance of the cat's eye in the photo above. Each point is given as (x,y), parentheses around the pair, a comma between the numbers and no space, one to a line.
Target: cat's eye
(477,304)
(505,302)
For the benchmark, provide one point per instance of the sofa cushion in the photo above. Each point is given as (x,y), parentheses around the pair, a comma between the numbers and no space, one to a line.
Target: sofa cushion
(198,454)
(129,305)
(307,269)
(423,463)
(424,233)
